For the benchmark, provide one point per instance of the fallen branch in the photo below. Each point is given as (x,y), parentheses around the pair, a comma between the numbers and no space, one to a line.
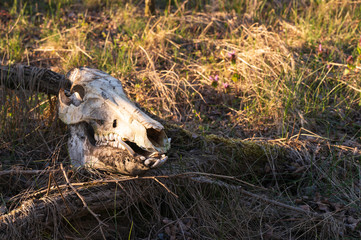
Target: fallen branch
(101,195)
(36,214)
(32,79)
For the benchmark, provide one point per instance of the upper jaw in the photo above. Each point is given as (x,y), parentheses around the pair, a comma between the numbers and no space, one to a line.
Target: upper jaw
(128,134)
(116,141)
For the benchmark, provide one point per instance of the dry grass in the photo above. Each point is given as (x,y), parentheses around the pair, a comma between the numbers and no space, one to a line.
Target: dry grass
(289,97)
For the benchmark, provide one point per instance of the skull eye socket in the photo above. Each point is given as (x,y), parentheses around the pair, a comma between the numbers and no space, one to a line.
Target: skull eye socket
(79,89)
(63,98)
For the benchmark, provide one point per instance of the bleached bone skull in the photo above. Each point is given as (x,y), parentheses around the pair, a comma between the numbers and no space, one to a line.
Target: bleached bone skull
(107,131)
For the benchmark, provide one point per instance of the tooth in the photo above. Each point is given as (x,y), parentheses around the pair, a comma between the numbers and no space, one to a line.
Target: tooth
(96,137)
(118,145)
(147,162)
(130,150)
(111,136)
(155,164)
(159,162)
(142,158)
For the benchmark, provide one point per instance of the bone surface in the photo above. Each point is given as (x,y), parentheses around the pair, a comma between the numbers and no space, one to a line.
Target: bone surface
(107,131)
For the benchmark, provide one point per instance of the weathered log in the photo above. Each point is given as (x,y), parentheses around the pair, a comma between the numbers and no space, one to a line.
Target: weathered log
(34,215)
(32,78)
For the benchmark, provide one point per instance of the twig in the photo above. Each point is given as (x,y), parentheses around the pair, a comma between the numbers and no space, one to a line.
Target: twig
(16,22)
(128,178)
(85,53)
(149,59)
(59,190)
(53,49)
(181,8)
(49,185)
(350,86)
(162,184)
(341,65)
(84,203)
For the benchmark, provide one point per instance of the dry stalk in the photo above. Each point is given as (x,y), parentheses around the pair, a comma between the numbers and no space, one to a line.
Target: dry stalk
(59,190)
(163,185)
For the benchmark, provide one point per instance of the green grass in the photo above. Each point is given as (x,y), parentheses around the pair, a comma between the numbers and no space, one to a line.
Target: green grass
(281,87)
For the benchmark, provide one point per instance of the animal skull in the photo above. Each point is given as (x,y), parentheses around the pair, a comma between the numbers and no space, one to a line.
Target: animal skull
(108,131)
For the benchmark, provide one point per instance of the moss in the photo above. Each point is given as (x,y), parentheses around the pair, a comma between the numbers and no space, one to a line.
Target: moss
(244,158)
(229,156)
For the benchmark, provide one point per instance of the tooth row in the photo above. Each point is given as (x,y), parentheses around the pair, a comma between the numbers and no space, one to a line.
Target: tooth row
(109,137)
(103,140)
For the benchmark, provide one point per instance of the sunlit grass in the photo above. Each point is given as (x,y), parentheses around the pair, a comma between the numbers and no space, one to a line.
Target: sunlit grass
(277,75)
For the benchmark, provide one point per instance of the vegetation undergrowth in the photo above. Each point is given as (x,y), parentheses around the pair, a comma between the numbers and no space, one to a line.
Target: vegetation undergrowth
(268,90)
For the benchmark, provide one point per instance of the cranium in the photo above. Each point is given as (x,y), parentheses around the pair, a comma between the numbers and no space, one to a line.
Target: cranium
(107,131)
